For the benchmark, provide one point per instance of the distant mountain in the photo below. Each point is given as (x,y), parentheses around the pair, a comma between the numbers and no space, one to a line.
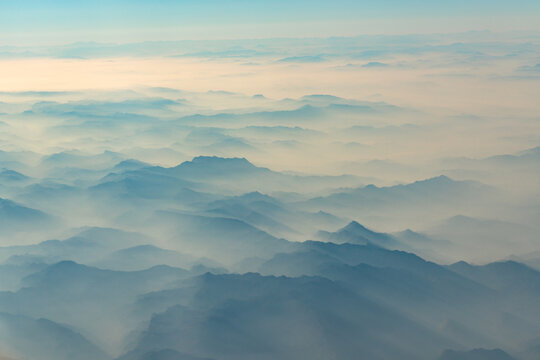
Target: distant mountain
(526,163)
(144,257)
(108,237)
(11,176)
(518,291)
(17,160)
(145,183)
(212,166)
(507,276)
(276,117)
(533,152)
(354,254)
(279,217)
(80,159)
(254,218)
(13,271)
(130,164)
(14,216)
(88,298)
(468,233)
(279,131)
(12,211)
(303,59)
(89,245)
(433,188)
(237,174)
(316,258)
(525,157)
(250,312)
(355,233)
(413,238)
(334,261)
(49,190)
(422,244)
(45,339)
(476,354)
(452,302)
(225,239)
(531,259)
(254,197)
(426,199)
(259,210)
(69,273)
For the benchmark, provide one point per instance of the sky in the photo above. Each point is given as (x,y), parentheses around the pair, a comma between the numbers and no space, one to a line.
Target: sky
(32,22)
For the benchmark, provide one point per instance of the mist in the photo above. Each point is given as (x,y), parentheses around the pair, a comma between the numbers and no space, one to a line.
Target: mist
(291,198)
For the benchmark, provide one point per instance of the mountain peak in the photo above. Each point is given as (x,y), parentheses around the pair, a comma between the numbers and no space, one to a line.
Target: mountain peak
(356,228)
(441,179)
(219,160)
(213,161)
(130,164)
(256,196)
(355,233)
(216,166)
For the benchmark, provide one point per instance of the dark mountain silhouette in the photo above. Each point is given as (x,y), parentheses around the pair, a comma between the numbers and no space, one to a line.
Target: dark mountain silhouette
(231,312)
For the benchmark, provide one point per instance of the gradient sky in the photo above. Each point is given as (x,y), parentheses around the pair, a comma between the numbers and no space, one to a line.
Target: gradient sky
(33,22)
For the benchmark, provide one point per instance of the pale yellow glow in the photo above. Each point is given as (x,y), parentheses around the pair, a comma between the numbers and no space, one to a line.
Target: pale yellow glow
(452,89)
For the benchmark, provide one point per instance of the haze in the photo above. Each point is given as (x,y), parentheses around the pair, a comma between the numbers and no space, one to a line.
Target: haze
(294,180)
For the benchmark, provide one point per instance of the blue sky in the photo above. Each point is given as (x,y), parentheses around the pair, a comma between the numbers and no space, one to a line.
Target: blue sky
(57,21)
